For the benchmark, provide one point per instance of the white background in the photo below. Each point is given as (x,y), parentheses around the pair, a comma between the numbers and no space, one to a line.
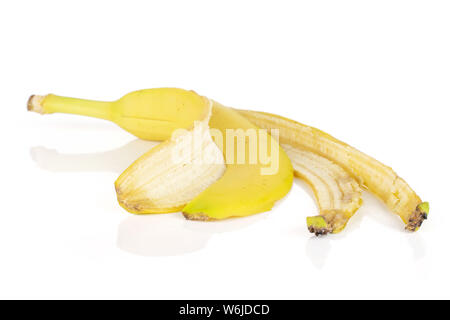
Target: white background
(375,74)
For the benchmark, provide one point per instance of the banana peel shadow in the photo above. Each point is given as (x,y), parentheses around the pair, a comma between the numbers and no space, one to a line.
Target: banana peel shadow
(144,235)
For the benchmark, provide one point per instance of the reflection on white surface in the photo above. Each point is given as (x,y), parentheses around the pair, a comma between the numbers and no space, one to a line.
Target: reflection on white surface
(417,245)
(115,160)
(222,226)
(148,235)
(158,235)
(318,249)
(171,234)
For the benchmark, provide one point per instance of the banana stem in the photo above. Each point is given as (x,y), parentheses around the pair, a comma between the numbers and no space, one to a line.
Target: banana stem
(56,104)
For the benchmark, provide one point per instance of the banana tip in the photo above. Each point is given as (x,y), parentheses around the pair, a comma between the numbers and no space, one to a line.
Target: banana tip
(418,217)
(424,207)
(35,104)
(318,225)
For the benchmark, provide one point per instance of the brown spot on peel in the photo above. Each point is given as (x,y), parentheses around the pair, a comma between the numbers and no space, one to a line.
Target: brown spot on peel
(418,216)
(318,225)
(197,216)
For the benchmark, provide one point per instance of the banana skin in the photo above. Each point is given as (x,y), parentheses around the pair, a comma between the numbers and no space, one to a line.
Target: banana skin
(378,178)
(154,114)
(132,113)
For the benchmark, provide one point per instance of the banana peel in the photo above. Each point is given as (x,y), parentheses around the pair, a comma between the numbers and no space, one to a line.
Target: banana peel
(171,174)
(378,178)
(155,183)
(337,193)
(335,171)
(244,189)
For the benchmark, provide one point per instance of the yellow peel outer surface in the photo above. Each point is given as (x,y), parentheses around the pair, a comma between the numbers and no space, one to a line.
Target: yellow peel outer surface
(242,190)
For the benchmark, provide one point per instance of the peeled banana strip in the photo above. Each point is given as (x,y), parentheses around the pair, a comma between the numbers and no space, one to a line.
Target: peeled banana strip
(380,179)
(337,193)
(172,173)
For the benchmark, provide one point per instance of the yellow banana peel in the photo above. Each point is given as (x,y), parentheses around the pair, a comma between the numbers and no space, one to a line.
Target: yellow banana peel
(157,183)
(228,187)
(378,178)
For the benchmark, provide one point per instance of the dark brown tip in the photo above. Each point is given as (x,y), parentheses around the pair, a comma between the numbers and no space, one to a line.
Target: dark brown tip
(418,217)
(319,231)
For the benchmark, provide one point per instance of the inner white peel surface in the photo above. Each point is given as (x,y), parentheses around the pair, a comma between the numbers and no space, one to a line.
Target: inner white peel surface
(173,173)
(334,188)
